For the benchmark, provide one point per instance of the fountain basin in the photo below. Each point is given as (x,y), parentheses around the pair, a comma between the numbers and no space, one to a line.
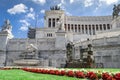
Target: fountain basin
(27,62)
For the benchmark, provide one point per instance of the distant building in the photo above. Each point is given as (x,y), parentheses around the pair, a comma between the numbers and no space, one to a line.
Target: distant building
(31,33)
(50,41)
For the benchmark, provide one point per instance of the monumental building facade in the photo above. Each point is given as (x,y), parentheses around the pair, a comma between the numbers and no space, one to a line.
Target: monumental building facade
(47,46)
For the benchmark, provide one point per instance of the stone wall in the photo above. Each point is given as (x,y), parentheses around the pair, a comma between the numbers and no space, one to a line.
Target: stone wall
(105,50)
(47,53)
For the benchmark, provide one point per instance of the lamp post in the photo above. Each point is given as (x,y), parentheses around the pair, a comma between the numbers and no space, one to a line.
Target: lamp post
(6,55)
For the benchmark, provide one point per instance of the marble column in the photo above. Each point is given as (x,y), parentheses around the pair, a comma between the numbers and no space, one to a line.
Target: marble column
(55,22)
(70,28)
(95,28)
(88,29)
(77,28)
(84,30)
(51,22)
(80,29)
(91,30)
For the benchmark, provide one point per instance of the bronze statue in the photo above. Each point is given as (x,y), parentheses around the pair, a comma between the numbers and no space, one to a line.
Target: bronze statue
(56,7)
(69,49)
(116,10)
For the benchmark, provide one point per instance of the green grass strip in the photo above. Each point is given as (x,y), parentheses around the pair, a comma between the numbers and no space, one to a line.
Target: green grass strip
(23,75)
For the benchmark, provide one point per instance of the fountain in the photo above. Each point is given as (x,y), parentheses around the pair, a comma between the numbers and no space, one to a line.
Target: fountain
(29,57)
(86,60)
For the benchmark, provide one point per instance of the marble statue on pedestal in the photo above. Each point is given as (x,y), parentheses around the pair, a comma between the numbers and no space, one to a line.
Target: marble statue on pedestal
(7,28)
(60,24)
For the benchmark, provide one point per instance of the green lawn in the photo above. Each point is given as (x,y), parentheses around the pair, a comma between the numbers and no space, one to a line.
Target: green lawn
(23,75)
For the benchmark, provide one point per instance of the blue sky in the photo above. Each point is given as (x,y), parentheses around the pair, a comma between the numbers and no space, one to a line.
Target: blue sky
(22,13)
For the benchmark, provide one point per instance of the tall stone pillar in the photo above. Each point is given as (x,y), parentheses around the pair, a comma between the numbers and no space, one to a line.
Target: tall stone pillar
(5,35)
(60,40)
(3,48)
(60,45)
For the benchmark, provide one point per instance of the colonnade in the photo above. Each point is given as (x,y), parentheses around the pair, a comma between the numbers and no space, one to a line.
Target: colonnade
(86,29)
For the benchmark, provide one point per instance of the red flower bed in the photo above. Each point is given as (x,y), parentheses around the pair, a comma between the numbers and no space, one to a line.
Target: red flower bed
(107,76)
(71,73)
(79,74)
(63,72)
(92,76)
(117,76)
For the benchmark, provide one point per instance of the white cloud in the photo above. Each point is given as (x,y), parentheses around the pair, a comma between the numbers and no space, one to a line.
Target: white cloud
(25,22)
(31,15)
(42,11)
(39,1)
(31,9)
(25,25)
(19,8)
(108,2)
(23,28)
(88,3)
(62,1)
(71,1)
(69,14)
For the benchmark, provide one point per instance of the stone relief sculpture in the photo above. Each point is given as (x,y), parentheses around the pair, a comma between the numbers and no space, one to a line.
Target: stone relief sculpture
(29,57)
(30,52)
(31,48)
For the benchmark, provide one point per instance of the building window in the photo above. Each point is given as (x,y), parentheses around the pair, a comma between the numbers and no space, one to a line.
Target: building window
(75,28)
(83,29)
(93,26)
(108,26)
(79,27)
(100,26)
(57,19)
(97,27)
(49,23)
(90,29)
(68,27)
(53,22)
(86,29)
(104,26)
(72,27)
(49,35)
